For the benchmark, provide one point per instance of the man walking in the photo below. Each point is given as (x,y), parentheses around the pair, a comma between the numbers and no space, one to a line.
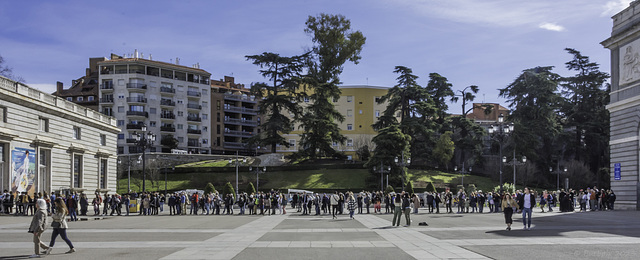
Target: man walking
(526,204)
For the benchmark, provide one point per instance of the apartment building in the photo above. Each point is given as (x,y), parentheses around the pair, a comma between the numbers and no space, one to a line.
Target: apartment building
(236,117)
(49,144)
(171,100)
(84,90)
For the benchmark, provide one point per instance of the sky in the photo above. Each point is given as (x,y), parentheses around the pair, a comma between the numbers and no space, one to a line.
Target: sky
(487,43)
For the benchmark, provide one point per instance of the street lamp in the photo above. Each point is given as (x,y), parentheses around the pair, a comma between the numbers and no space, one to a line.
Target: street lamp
(144,140)
(514,162)
(128,171)
(264,169)
(402,164)
(382,171)
(500,133)
(244,160)
(455,168)
(557,173)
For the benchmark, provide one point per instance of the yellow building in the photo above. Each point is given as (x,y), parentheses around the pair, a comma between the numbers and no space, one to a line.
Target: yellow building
(360,108)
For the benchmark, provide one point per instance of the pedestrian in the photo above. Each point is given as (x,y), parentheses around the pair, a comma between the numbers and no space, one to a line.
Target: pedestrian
(507,204)
(38,225)
(397,213)
(60,226)
(351,205)
(416,203)
(526,204)
(334,204)
(406,206)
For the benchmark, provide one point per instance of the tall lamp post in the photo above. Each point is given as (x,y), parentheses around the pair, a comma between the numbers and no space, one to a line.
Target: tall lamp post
(257,170)
(402,163)
(557,173)
(500,133)
(144,140)
(244,160)
(128,171)
(455,168)
(382,171)
(514,162)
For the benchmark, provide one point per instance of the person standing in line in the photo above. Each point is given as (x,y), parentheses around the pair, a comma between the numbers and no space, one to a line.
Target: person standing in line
(367,201)
(397,213)
(334,204)
(38,225)
(351,205)
(526,204)
(507,204)
(60,227)
(406,206)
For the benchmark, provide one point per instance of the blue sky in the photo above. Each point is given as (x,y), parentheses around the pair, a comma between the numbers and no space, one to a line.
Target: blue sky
(471,42)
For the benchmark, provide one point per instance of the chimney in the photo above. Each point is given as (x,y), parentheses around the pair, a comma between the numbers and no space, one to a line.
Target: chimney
(60,87)
(135,53)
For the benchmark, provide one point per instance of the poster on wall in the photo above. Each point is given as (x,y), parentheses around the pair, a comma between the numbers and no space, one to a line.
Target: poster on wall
(24,170)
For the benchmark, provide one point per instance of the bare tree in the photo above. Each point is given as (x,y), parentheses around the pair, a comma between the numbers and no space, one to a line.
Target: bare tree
(8,71)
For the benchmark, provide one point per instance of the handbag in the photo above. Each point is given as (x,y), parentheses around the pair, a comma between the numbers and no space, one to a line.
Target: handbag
(55,224)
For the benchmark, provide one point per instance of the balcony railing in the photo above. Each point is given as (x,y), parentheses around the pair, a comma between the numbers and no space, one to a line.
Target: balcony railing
(240,98)
(238,133)
(167,129)
(241,121)
(106,86)
(234,145)
(168,116)
(136,100)
(138,113)
(106,100)
(194,106)
(193,144)
(167,90)
(194,131)
(134,126)
(131,140)
(194,118)
(137,85)
(194,93)
(240,110)
(166,102)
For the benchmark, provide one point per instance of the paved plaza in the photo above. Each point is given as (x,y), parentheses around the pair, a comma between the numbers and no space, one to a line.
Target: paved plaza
(591,235)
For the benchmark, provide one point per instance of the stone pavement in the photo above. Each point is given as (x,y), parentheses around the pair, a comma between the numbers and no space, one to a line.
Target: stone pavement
(591,235)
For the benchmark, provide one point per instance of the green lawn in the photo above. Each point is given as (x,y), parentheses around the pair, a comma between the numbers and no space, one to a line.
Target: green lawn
(308,179)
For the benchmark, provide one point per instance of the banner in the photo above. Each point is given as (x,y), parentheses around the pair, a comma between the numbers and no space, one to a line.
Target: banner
(24,170)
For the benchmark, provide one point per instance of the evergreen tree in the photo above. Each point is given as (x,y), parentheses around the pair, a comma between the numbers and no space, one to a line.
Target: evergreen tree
(250,188)
(430,187)
(334,44)
(209,188)
(443,152)
(228,189)
(390,142)
(388,189)
(409,188)
(440,90)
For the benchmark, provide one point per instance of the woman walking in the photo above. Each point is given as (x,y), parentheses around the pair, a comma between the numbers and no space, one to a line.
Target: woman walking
(60,226)
(507,207)
(38,225)
(397,212)
(351,205)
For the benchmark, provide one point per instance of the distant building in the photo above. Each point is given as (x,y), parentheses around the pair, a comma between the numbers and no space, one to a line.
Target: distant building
(83,91)
(171,100)
(624,106)
(48,144)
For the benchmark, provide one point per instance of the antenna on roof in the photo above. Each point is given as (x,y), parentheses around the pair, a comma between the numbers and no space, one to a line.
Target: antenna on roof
(177,61)
(141,55)
(135,53)
(150,58)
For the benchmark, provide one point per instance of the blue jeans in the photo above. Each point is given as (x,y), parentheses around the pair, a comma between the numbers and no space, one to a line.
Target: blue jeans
(351,213)
(73,215)
(526,217)
(63,233)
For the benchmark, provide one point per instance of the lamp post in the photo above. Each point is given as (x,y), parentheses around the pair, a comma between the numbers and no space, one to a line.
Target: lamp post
(237,164)
(500,133)
(514,162)
(257,169)
(382,171)
(455,168)
(128,171)
(557,173)
(402,164)
(144,140)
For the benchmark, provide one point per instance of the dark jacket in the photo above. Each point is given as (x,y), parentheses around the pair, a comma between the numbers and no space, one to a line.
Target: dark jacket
(521,201)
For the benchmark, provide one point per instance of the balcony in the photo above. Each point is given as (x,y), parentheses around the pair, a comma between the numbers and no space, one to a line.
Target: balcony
(193,144)
(194,94)
(168,116)
(136,86)
(234,145)
(106,86)
(240,110)
(194,106)
(167,90)
(194,118)
(167,129)
(241,121)
(167,102)
(106,100)
(240,98)
(238,133)
(131,140)
(138,113)
(134,126)
(194,131)
(136,100)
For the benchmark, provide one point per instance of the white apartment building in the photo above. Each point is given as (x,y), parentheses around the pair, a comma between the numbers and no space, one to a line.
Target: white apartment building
(171,100)
(48,144)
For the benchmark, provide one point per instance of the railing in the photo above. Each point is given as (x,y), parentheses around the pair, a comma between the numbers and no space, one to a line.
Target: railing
(167,90)
(134,126)
(238,133)
(168,116)
(234,145)
(106,100)
(194,131)
(194,106)
(106,86)
(137,100)
(194,94)
(138,113)
(194,118)
(239,98)
(194,144)
(240,109)
(137,85)
(131,140)
(167,103)
(241,121)
(167,129)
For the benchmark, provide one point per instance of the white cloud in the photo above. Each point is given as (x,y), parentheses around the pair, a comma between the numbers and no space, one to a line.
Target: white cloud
(552,27)
(614,6)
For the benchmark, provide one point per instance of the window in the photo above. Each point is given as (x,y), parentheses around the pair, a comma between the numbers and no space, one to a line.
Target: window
(377,113)
(120,109)
(180,126)
(349,98)
(306,99)
(377,99)
(349,127)
(218,105)
(204,129)
(103,140)
(180,113)
(90,98)
(205,117)
(204,92)
(180,102)
(218,115)
(292,142)
(77,171)
(180,139)
(349,113)
(205,141)
(136,108)
(44,166)
(69,99)
(120,149)
(205,103)
(120,96)
(76,133)
(152,110)
(3,114)
(44,124)
(349,142)
(121,82)
(218,129)
(120,122)
(80,99)
(120,136)
(360,112)
(152,123)
(335,100)
(103,174)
